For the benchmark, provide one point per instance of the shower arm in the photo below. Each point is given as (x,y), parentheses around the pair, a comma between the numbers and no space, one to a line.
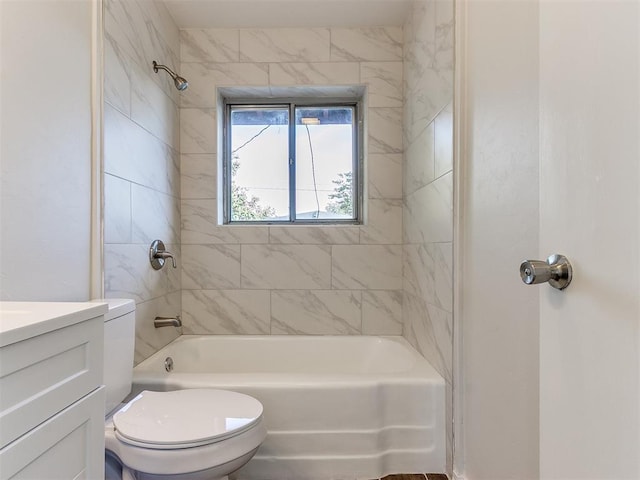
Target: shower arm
(157,66)
(180,82)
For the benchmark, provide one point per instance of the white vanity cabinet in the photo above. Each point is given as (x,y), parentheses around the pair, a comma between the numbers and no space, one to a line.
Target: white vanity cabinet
(51,394)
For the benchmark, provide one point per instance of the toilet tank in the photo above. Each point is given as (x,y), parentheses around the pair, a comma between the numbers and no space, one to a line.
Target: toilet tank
(119,341)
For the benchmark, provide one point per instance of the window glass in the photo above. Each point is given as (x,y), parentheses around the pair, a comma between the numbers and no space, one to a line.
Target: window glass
(259,164)
(324,163)
(291,163)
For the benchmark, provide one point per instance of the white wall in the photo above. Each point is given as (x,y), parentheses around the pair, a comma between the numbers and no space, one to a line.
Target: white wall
(498,322)
(45,150)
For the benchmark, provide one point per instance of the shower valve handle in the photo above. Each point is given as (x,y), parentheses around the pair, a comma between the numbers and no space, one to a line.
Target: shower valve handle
(158,254)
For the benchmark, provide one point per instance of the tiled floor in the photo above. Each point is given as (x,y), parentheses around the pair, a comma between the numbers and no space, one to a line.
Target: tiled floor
(416,476)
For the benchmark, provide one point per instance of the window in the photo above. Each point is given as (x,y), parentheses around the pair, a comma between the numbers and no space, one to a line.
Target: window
(292,163)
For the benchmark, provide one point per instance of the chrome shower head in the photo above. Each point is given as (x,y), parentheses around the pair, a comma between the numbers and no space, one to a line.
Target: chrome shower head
(180,82)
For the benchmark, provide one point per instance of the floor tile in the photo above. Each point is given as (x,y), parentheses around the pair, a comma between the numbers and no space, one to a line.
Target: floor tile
(405,476)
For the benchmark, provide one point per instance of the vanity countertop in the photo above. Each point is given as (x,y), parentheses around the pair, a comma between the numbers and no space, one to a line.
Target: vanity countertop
(22,320)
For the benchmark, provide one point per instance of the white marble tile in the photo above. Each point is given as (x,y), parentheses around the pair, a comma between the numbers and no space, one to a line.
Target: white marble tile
(408,331)
(442,323)
(420,27)
(428,213)
(382,312)
(224,312)
(167,30)
(162,31)
(117,82)
(198,176)
(315,312)
(244,91)
(202,45)
(146,32)
(314,235)
(384,175)
(286,266)
(148,338)
(418,329)
(154,215)
(199,226)
(285,45)
(170,172)
(199,221)
(427,89)
(418,271)
(444,276)
(322,73)
(204,78)
(430,328)
(420,161)
(117,210)
(210,267)
(160,39)
(384,222)
(132,153)
(128,274)
(428,273)
(384,81)
(444,141)
(125,144)
(121,23)
(320,91)
(385,130)
(153,109)
(243,234)
(445,35)
(198,130)
(375,44)
(366,267)
(428,65)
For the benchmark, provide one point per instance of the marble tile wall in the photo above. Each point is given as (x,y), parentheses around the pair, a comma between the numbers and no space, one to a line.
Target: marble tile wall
(292,279)
(141,164)
(428,188)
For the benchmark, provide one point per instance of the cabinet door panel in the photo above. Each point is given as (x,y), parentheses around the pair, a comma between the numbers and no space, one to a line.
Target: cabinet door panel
(42,375)
(68,446)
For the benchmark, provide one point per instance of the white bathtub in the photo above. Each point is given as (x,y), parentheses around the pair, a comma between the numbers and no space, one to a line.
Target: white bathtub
(335,406)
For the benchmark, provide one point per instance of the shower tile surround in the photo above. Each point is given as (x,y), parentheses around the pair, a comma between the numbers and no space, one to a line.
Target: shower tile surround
(285,279)
(427,308)
(141,164)
(392,275)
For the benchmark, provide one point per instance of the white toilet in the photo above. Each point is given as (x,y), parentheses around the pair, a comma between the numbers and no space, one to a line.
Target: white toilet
(199,434)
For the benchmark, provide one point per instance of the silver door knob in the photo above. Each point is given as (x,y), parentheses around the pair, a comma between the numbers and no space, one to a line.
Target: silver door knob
(556,270)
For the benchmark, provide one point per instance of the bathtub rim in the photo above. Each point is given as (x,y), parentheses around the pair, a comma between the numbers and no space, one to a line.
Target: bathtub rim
(420,370)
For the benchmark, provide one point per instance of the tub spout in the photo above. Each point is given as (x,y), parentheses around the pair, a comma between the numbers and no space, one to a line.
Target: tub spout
(167,322)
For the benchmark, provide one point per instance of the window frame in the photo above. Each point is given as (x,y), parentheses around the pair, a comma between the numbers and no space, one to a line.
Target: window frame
(291,103)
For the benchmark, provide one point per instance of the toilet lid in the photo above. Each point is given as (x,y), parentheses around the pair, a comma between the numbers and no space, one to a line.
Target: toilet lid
(185,418)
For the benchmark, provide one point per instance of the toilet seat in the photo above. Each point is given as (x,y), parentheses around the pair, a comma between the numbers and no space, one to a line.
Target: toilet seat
(185,418)
(216,459)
